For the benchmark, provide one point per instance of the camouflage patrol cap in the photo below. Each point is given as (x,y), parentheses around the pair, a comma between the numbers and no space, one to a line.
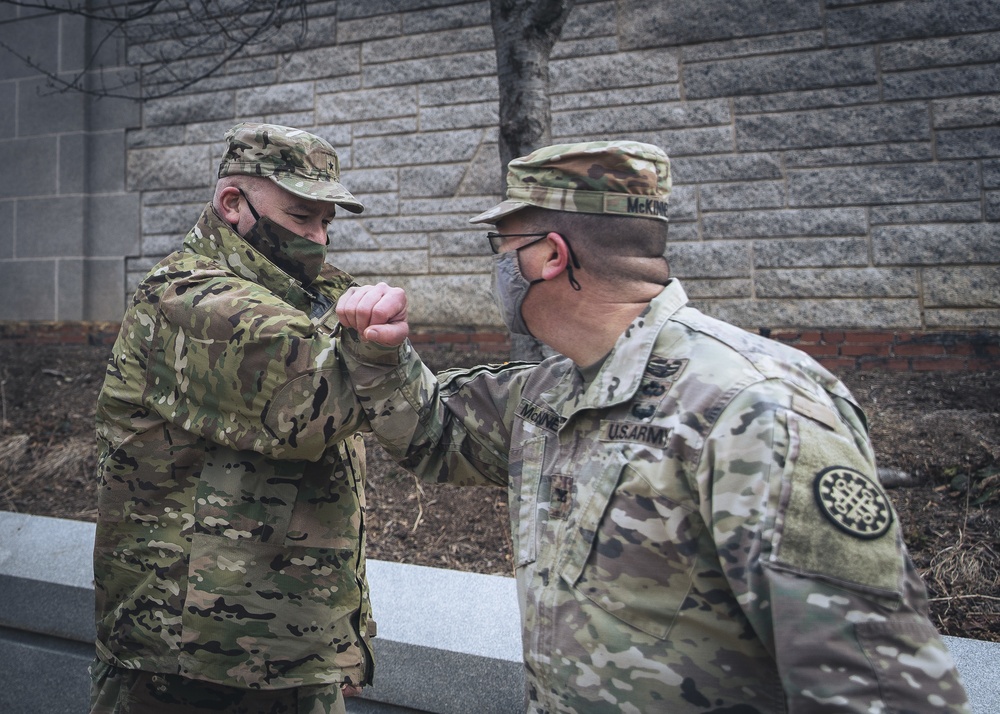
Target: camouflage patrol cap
(622,178)
(299,162)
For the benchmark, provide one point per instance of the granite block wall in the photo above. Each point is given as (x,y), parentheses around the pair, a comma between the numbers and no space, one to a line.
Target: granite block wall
(836,163)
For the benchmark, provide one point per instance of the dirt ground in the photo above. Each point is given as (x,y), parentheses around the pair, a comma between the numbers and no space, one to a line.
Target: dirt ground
(938,433)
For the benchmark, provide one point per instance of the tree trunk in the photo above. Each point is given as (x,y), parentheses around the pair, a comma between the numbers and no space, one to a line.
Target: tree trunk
(524,32)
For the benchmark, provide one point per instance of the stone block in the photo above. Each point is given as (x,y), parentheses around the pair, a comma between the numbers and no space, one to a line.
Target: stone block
(833,127)
(50,227)
(891,153)
(188,108)
(659,93)
(467,243)
(690,142)
(961,243)
(8,98)
(638,118)
(683,232)
(794,222)
(633,69)
(159,246)
(975,286)
(40,154)
(35,37)
(459,116)
(378,204)
(969,143)
(381,263)
(162,198)
(27,289)
(402,241)
(726,49)
(112,225)
(992,199)
(741,167)
(683,203)
(451,265)
(170,218)
(965,212)
(939,52)
(947,82)
(103,285)
(459,91)
(865,313)
(809,99)
(588,20)
(461,207)
(810,253)
(366,105)
(366,181)
(92,163)
(170,168)
(160,136)
(880,22)
(275,98)
(780,73)
(645,23)
(6,230)
(712,259)
(367,29)
(416,224)
(321,63)
(588,47)
(966,318)
(383,127)
(952,181)
(25,691)
(483,176)
(413,45)
(425,148)
(433,180)
(967,111)
(431,69)
(446,18)
(717,288)
(742,196)
(836,283)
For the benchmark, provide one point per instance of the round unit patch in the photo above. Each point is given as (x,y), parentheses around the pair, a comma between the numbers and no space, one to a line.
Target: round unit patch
(853,502)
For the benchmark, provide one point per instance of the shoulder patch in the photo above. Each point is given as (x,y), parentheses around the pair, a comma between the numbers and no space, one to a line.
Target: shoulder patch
(853,502)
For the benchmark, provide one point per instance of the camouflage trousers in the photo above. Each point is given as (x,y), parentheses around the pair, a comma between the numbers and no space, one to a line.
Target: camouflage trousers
(125,691)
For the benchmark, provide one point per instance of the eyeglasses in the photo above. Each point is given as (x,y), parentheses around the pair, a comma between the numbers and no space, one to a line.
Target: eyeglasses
(496,239)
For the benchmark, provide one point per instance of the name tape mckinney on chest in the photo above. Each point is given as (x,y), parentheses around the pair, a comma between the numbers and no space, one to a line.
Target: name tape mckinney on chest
(539,416)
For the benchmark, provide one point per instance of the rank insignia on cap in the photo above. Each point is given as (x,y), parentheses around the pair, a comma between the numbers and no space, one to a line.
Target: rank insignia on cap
(853,502)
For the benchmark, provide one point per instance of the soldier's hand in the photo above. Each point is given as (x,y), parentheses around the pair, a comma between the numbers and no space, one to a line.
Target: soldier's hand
(377,312)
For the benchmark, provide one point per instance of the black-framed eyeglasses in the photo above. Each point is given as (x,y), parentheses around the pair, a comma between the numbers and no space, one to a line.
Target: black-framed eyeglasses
(496,239)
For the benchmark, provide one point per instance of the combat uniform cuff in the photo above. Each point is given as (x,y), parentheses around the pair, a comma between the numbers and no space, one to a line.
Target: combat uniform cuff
(371,353)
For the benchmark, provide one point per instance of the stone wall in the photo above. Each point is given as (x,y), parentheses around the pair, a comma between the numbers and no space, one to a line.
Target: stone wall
(836,162)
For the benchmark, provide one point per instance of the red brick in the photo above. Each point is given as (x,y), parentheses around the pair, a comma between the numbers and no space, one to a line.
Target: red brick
(491,337)
(949,364)
(864,350)
(835,363)
(961,348)
(819,350)
(918,350)
(834,337)
(869,337)
(983,364)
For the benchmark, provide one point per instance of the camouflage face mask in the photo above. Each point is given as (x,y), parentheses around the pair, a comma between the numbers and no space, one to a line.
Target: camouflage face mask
(296,255)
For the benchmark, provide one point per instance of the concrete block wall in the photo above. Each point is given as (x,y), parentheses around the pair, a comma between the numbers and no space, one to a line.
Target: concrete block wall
(836,162)
(66,219)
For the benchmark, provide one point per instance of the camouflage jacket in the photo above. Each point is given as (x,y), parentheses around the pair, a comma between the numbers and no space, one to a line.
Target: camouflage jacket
(230,538)
(698,529)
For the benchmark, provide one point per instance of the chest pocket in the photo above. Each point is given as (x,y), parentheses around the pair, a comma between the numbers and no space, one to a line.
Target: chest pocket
(632,550)
(525,480)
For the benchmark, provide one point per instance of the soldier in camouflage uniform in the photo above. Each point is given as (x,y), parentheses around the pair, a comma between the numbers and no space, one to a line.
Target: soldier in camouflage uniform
(696,517)
(230,554)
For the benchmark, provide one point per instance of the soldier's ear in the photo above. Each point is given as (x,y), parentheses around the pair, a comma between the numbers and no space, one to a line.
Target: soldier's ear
(229,205)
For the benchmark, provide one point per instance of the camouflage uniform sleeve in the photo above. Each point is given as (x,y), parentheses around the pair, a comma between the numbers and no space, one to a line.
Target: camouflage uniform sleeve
(451,428)
(232,362)
(813,552)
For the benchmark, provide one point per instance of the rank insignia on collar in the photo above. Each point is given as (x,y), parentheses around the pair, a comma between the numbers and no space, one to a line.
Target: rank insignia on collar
(853,501)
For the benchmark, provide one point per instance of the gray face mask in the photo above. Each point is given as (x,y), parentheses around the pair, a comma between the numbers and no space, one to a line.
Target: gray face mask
(509,290)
